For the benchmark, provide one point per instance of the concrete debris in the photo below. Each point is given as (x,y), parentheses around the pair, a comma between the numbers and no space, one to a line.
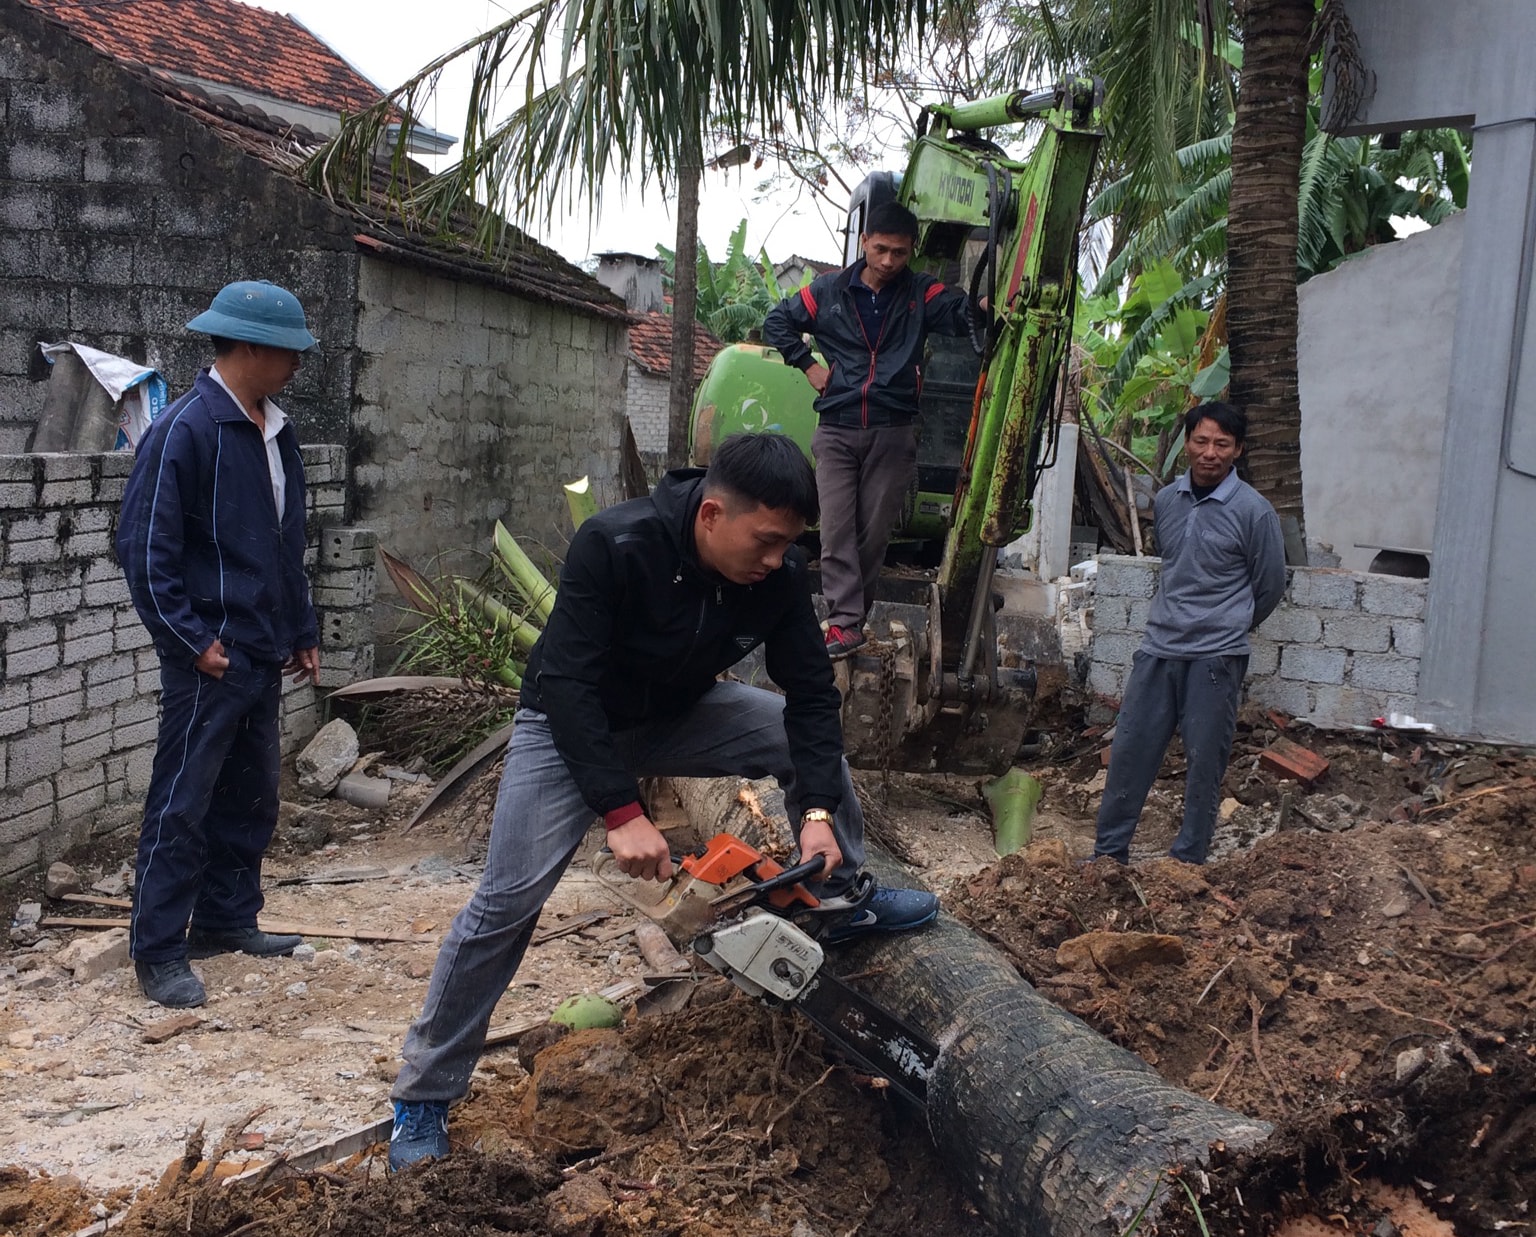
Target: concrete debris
(363,791)
(304,953)
(24,929)
(62,879)
(327,758)
(113,886)
(90,957)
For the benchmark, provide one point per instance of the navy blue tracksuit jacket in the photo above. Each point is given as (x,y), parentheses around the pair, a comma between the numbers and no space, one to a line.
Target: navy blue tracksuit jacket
(207,559)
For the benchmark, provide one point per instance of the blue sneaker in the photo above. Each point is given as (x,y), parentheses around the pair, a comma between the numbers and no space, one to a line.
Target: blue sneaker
(884,910)
(420,1133)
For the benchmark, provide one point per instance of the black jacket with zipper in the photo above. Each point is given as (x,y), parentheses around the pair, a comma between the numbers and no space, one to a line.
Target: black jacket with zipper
(873,382)
(640,629)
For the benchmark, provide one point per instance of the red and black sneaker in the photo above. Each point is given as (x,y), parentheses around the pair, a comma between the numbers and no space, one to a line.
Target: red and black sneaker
(842,641)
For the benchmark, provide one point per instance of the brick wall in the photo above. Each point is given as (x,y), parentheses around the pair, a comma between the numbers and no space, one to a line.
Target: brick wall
(647,404)
(475,405)
(79,681)
(121,215)
(1342,648)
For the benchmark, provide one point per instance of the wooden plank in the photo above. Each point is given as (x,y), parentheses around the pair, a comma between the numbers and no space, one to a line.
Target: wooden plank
(276,925)
(585,920)
(91,899)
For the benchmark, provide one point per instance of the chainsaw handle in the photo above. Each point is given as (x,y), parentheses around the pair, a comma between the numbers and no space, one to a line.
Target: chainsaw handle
(786,879)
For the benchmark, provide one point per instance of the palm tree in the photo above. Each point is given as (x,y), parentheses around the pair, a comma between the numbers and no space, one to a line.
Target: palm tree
(634,88)
(642,89)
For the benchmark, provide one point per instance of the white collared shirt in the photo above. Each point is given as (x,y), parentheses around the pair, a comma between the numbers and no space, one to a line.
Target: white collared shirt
(276,418)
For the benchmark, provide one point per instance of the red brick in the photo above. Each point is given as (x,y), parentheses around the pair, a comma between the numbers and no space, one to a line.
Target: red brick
(1290,760)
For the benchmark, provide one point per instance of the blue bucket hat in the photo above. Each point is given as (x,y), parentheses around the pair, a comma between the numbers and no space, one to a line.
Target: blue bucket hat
(256,312)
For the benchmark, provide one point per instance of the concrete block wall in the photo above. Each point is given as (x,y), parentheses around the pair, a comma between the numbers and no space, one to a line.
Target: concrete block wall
(647,404)
(1342,648)
(121,215)
(474,405)
(79,680)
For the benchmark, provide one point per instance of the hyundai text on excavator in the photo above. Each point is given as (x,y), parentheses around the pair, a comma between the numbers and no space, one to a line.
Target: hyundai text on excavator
(934,693)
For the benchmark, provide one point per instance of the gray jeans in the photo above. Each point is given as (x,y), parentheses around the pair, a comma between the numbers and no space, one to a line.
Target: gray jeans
(540,821)
(862,479)
(1200,699)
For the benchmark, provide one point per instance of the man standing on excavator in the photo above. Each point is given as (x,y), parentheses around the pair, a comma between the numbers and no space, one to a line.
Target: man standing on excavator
(1223,574)
(870,321)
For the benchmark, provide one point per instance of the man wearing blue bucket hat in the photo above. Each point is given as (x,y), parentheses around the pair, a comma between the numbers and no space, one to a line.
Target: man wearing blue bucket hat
(211,540)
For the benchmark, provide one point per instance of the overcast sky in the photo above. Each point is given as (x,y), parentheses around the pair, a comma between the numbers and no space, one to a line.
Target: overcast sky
(388,40)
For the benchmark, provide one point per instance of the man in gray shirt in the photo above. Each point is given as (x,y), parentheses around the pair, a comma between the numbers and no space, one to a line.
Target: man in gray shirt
(1223,573)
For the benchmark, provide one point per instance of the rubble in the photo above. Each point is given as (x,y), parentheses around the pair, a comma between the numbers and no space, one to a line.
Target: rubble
(327,758)
(91,957)
(61,879)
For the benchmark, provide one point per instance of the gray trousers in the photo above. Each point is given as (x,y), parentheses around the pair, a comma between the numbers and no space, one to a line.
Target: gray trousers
(1199,698)
(540,820)
(862,478)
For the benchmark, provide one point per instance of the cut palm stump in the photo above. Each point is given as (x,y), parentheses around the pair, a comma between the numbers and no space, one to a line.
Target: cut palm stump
(1055,1131)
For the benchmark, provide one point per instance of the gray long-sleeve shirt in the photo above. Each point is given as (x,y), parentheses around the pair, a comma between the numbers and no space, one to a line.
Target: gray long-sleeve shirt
(1223,570)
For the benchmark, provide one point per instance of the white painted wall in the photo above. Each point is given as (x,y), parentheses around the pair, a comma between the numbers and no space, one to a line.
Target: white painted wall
(1375,368)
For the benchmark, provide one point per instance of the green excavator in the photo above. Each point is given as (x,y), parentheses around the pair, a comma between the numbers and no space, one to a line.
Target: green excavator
(931,690)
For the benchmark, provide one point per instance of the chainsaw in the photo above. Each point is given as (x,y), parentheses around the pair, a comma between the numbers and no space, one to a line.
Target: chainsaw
(755,922)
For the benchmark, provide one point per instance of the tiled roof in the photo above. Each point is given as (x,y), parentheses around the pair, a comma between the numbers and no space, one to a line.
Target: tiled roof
(650,343)
(220,41)
(522,266)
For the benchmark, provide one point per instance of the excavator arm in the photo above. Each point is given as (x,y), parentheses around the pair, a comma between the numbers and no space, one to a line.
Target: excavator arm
(928,691)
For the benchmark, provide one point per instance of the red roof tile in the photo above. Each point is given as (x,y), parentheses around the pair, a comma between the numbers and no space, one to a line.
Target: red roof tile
(220,41)
(650,343)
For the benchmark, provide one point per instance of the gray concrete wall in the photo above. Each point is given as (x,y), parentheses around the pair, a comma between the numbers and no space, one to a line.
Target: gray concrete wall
(1375,367)
(1476,64)
(120,216)
(1341,649)
(79,682)
(475,405)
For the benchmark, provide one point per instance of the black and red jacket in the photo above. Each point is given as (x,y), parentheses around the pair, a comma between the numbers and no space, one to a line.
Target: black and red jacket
(874,382)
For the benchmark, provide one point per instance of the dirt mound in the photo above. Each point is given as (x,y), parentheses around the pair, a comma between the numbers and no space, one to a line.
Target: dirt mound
(731,1122)
(1383,976)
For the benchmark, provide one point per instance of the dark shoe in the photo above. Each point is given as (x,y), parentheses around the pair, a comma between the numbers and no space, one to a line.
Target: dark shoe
(883,910)
(202,943)
(842,641)
(171,984)
(420,1133)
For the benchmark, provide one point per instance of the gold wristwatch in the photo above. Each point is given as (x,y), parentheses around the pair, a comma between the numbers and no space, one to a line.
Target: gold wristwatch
(816,813)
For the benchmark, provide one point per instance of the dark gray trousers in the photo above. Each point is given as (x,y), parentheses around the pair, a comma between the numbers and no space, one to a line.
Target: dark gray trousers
(1199,698)
(540,821)
(862,478)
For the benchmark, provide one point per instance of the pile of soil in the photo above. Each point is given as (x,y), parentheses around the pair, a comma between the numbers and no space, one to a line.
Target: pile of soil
(723,1119)
(1371,987)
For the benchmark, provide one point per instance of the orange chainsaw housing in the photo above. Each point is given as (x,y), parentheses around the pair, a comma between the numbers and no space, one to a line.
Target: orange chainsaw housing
(726,857)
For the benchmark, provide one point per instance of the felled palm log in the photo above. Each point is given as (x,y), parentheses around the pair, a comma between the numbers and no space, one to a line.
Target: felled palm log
(1056,1131)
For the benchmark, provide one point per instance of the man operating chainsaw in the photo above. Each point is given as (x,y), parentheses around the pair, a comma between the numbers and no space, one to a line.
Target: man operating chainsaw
(657,597)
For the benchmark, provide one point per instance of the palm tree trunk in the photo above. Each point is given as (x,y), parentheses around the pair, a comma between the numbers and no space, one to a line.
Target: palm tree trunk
(1267,139)
(685,297)
(1055,1131)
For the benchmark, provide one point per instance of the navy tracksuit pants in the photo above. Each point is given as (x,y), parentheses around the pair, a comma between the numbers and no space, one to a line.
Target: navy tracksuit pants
(211,807)
(1198,698)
